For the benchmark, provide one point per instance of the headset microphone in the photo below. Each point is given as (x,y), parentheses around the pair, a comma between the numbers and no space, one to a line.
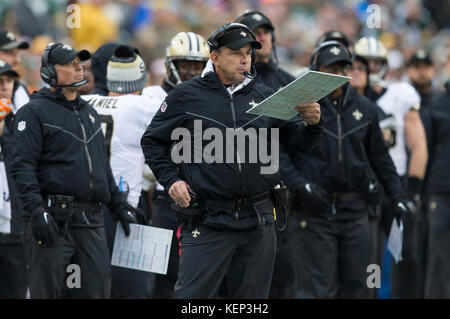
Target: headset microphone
(74,84)
(248,75)
(253,73)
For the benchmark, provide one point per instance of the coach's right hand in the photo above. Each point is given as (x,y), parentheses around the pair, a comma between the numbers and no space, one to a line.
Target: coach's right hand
(44,227)
(179,192)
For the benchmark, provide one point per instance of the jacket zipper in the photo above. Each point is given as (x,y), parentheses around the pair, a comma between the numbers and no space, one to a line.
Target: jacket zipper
(233,113)
(86,149)
(339,135)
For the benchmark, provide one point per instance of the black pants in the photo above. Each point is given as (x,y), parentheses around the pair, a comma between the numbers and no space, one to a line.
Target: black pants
(333,255)
(246,257)
(164,217)
(285,272)
(13,274)
(437,283)
(408,275)
(48,266)
(125,283)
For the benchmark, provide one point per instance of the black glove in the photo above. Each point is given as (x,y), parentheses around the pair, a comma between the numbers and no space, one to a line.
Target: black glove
(414,187)
(44,227)
(126,218)
(403,208)
(317,194)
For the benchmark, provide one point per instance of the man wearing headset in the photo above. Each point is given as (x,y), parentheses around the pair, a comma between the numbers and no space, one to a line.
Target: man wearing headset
(225,203)
(63,176)
(330,187)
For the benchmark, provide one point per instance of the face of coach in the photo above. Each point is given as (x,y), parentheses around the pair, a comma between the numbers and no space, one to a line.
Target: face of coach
(234,56)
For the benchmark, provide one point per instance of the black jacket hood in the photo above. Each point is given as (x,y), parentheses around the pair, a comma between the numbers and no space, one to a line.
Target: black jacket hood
(99,62)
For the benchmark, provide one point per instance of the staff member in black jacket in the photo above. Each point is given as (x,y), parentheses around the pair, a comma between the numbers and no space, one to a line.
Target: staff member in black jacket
(270,74)
(63,176)
(13,278)
(266,60)
(437,279)
(332,184)
(232,232)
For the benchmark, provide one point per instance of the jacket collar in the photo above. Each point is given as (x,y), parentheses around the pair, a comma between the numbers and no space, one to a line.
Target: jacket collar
(59,98)
(210,74)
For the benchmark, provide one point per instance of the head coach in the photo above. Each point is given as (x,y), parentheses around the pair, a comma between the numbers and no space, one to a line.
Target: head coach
(225,205)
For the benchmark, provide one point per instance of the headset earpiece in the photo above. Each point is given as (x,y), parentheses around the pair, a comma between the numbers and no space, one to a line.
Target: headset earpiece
(48,71)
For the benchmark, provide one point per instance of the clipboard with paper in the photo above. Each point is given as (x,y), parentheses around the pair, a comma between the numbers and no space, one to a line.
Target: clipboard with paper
(310,87)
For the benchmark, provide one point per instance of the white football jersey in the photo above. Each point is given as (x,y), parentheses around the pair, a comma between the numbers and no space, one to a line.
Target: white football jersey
(155,91)
(398,100)
(124,120)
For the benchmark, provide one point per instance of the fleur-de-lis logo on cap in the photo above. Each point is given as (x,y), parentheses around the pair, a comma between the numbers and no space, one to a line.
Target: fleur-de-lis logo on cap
(335,50)
(257,17)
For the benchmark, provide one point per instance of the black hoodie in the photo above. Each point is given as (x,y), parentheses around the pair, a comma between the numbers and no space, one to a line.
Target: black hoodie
(59,149)
(99,62)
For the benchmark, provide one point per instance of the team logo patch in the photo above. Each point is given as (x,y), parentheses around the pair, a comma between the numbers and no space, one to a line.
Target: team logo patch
(92,118)
(10,36)
(257,17)
(252,103)
(21,126)
(67,47)
(335,50)
(163,107)
(195,233)
(243,34)
(2,63)
(357,115)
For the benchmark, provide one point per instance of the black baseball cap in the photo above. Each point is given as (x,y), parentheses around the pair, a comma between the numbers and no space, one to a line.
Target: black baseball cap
(333,54)
(8,41)
(334,35)
(5,69)
(255,19)
(420,56)
(236,39)
(62,53)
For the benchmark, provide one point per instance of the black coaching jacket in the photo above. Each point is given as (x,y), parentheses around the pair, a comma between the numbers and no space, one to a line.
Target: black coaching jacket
(350,152)
(207,100)
(59,149)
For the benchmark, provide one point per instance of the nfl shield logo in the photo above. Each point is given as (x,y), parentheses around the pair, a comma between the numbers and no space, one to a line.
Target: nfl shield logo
(21,126)
(163,107)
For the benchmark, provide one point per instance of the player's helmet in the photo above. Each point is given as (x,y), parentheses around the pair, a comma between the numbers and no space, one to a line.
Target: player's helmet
(184,46)
(371,48)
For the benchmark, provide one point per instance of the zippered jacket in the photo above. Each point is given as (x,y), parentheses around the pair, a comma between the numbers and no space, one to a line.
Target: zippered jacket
(206,101)
(350,152)
(59,150)
(439,135)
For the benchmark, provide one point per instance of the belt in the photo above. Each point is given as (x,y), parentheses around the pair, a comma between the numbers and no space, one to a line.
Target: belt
(76,206)
(238,204)
(335,197)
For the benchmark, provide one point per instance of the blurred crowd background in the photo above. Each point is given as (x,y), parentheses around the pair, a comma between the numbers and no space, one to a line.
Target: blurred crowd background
(405,27)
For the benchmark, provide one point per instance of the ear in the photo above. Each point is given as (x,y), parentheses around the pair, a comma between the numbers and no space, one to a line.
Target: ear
(214,56)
